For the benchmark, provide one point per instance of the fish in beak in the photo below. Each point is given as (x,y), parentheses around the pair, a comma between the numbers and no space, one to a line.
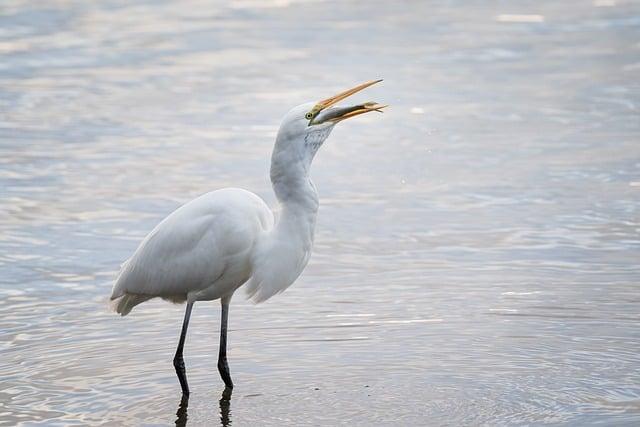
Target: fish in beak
(321,112)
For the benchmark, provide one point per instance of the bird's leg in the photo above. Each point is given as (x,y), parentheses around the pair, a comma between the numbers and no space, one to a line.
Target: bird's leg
(178,360)
(223,367)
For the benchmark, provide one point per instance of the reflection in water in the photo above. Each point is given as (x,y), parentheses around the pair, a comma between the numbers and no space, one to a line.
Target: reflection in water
(181,413)
(225,409)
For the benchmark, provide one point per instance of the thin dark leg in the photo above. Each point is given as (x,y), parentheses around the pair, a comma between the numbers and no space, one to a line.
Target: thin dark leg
(178,361)
(223,367)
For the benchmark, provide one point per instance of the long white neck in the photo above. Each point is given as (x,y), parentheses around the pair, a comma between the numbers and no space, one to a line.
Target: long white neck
(284,251)
(296,193)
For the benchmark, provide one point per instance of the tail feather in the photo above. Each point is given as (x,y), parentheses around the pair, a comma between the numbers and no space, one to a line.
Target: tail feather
(125,303)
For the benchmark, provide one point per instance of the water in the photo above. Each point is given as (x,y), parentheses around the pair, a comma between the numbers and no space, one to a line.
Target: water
(477,250)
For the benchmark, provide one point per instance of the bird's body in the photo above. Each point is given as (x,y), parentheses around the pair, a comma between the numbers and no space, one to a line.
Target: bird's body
(212,245)
(201,252)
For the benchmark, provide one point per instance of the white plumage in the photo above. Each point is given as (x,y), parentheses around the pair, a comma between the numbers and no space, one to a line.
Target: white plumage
(214,244)
(202,251)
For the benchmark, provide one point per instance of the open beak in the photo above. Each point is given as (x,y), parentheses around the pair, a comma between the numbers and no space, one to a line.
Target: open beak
(339,114)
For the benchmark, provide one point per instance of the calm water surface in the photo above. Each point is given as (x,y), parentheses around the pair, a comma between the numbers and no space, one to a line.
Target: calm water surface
(477,250)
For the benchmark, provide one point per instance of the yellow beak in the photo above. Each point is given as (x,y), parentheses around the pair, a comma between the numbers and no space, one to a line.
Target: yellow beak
(351,112)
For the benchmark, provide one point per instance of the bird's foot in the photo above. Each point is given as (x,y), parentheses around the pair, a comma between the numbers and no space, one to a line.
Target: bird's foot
(178,363)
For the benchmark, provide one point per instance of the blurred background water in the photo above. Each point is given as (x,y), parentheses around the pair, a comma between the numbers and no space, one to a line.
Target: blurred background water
(477,250)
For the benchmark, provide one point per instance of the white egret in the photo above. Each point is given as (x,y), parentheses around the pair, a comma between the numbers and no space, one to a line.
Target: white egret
(214,244)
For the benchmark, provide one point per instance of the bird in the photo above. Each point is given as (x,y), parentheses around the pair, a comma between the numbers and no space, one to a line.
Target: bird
(214,244)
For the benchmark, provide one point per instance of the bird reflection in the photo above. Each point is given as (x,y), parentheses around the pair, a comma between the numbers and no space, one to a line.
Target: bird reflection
(225,409)
(181,413)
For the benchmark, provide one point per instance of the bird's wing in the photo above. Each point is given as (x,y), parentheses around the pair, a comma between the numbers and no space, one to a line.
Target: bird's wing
(190,248)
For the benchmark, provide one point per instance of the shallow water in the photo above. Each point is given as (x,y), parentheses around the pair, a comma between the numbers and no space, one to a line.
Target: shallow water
(476,257)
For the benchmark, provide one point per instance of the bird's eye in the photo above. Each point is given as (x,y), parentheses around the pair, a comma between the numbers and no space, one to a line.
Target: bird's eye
(309,115)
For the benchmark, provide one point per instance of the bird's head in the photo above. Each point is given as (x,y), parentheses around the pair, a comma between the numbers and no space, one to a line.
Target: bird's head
(305,127)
